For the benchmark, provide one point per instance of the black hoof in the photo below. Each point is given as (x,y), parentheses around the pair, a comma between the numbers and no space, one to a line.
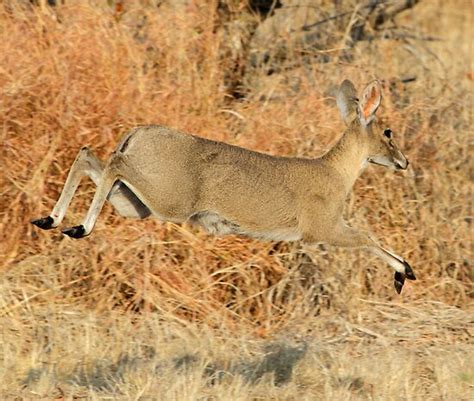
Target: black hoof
(398,282)
(46,223)
(75,232)
(409,271)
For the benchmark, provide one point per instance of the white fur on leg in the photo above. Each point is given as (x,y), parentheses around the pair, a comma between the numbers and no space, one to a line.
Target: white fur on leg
(395,261)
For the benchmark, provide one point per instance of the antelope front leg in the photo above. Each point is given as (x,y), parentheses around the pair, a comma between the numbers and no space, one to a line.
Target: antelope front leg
(84,164)
(349,237)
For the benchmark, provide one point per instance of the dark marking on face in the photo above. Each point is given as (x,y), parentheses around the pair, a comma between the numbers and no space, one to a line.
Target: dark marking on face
(125,144)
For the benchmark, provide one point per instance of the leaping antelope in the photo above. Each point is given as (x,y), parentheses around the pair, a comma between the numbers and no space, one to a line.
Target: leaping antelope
(226,189)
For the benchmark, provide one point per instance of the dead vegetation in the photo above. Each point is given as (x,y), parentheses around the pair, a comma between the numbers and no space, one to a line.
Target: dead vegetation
(164,311)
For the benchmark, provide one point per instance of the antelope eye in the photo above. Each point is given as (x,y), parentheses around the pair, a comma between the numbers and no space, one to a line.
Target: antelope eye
(388,133)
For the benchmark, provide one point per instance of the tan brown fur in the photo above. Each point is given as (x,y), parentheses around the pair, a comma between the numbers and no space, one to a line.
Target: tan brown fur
(231,190)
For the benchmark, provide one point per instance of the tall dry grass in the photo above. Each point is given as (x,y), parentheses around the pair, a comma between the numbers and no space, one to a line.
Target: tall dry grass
(81,74)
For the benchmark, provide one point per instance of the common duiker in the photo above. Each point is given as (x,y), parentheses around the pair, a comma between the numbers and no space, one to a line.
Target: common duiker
(226,189)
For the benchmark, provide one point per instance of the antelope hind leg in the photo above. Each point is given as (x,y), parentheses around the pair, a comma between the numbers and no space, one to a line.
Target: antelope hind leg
(110,175)
(84,164)
(124,201)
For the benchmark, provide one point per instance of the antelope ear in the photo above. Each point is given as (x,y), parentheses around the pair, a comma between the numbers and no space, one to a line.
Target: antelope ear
(346,100)
(370,102)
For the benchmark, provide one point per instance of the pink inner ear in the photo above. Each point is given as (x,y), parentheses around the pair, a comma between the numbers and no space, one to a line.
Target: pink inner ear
(370,103)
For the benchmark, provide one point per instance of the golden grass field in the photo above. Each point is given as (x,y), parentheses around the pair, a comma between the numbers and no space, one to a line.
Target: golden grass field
(143,310)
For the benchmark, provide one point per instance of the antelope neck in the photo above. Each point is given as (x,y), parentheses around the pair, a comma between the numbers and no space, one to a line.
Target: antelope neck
(348,157)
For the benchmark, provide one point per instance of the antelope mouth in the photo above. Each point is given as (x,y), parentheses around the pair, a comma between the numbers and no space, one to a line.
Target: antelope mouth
(401,166)
(377,163)
(396,164)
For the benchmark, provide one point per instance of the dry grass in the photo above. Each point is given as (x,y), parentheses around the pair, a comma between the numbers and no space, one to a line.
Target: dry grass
(111,315)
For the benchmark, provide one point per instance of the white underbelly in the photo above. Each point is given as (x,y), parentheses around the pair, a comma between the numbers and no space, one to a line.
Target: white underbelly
(281,234)
(216,225)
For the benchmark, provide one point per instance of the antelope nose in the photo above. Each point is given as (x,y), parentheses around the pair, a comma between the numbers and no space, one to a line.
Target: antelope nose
(402,165)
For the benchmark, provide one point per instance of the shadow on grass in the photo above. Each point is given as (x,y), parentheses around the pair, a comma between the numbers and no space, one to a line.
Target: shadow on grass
(102,375)
(280,359)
